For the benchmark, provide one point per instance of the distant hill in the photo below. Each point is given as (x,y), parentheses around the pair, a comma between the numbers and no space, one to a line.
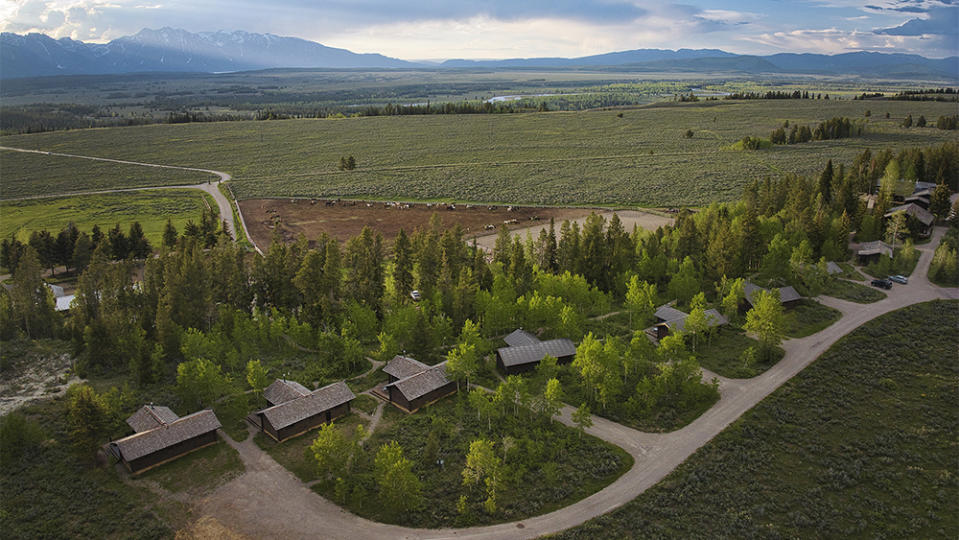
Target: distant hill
(174,50)
(169,49)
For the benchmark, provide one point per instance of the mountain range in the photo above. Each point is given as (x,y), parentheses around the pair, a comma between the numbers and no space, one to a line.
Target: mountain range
(175,50)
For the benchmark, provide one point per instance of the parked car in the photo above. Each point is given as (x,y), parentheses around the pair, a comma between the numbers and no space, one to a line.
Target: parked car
(898,279)
(415,295)
(882,283)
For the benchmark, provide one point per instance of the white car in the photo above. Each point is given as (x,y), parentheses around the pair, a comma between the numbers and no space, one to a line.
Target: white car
(415,295)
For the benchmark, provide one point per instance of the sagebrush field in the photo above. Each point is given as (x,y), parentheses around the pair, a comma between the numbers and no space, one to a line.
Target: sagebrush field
(591,157)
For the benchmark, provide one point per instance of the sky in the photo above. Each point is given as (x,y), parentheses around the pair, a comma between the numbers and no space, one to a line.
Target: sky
(486,29)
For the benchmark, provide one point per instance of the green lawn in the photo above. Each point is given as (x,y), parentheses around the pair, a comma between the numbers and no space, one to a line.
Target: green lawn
(861,444)
(550,158)
(198,472)
(37,174)
(723,355)
(151,208)
(808,317)
(853,292)
(232,412)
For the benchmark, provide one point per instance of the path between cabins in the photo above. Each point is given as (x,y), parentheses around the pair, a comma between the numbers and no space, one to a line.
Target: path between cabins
(270,502)
(223,204)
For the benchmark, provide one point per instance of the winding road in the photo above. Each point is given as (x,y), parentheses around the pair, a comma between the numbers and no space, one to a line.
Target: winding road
(212,188)
(270,502)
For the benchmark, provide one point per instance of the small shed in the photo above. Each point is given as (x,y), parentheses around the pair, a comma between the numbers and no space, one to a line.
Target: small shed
(162,436)
(422,388)
(871,251)
(298,412)
(788,296)
(833,268)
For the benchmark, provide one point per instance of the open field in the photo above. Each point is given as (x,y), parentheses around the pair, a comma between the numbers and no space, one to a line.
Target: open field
(590,157)
(345,219)
(150,208)
(26,175)
(859,444)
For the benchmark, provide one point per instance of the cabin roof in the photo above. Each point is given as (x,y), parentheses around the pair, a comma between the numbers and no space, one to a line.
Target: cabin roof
(422,383)
(402,367)
(166,435)
(151,416)
(303,407)
(520,337)
(283,390)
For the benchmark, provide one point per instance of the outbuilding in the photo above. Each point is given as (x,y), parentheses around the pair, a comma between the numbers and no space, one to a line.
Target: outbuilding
(162,436)
(294,409)
(421,388)
(526,351)
(871,251)
(678,322)
(788,296)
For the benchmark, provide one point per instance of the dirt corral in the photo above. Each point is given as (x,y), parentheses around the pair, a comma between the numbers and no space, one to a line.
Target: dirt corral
(345,219)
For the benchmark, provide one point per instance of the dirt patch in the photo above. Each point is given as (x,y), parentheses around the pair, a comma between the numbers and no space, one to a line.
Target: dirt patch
(629,218)
(345,219)
(208,528)
(44,375)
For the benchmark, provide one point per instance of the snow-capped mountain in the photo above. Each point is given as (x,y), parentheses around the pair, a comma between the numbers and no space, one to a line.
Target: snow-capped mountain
(170,49)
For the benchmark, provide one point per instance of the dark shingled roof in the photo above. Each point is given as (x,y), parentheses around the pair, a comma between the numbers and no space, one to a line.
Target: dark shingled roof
(713,319)
(283,390)
(669,313)
(872,248)
(833,268)
(153,440)
(151,416)
(402,367)
(788,294)
(303,407)
(520,337)
(422,383)
(528,354)
(924,216)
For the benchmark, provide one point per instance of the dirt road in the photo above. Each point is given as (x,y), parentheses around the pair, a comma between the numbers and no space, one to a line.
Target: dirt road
(269,502)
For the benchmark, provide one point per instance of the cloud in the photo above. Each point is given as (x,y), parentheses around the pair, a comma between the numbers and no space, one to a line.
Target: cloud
(940,21)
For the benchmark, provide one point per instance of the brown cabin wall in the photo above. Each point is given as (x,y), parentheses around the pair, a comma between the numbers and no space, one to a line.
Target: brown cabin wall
(430,397)
(171,452)
(309,423)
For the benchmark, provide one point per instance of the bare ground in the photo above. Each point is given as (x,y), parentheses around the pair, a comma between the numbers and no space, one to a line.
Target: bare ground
(344,219)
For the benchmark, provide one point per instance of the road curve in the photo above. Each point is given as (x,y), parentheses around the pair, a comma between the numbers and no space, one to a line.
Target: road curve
(270,502)
(223,204)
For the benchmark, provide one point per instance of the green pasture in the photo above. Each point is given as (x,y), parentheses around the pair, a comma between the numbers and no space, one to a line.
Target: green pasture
(595,157)
(151,208)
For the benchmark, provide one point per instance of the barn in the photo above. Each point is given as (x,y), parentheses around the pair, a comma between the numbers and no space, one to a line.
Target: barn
(295,410)
(415,390)
(162,436)
(525,351)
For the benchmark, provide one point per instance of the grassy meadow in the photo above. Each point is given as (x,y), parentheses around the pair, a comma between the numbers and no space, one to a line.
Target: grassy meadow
(861,444)
(27,175)
(594,157)
(151,208)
